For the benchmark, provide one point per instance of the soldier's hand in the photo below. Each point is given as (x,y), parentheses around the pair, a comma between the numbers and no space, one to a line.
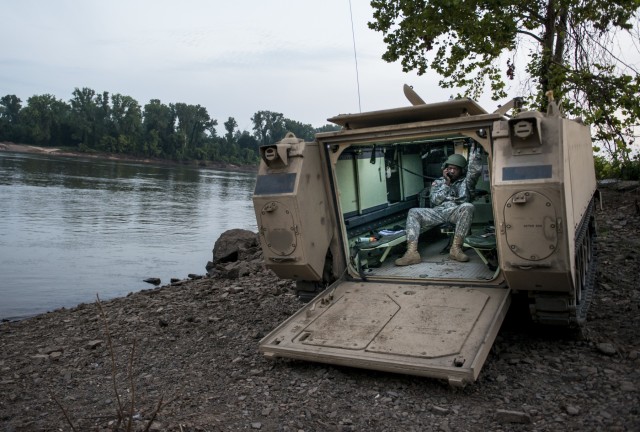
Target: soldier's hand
(447,179)
(476,151)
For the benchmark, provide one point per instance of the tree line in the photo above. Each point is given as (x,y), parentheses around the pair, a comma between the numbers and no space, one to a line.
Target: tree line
(116,123)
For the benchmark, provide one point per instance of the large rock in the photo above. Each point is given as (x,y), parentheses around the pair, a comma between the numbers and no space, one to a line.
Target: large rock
(236,245)
(233,245)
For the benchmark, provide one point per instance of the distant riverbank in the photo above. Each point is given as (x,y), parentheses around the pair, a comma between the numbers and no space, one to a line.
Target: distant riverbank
(54,151)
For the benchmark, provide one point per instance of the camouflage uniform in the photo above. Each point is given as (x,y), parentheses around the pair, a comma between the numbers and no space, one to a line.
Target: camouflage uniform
(448,203)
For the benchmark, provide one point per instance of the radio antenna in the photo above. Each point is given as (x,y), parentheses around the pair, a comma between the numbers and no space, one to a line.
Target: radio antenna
(355,56)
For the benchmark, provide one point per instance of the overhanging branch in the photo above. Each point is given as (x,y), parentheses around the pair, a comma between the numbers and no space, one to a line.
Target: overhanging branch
(527,33)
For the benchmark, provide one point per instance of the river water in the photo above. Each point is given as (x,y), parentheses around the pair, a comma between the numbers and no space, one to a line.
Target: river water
(73,228)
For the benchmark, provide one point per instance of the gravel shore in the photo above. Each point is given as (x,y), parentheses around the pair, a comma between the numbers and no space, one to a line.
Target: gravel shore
(185,358)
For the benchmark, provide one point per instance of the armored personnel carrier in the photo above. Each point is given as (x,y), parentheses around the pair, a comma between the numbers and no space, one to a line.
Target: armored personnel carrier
(331,215)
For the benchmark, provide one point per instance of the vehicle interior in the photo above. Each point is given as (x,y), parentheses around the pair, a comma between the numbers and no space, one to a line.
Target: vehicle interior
(379,183)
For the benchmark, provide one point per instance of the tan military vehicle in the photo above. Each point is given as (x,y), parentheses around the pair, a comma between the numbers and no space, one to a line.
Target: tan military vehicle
(331,216)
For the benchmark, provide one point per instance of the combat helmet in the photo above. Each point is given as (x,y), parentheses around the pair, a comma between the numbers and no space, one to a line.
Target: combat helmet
(457,160)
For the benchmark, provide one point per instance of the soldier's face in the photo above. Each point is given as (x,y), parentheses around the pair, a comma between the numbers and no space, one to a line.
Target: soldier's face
(453,172)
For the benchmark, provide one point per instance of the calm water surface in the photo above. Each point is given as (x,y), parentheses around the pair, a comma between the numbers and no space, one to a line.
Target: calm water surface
(71,228)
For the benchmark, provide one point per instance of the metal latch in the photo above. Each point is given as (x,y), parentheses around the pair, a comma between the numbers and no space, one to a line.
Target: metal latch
(520,198)
(272,206)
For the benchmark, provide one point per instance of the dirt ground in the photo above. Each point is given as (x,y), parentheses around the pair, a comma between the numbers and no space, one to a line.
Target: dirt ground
(185,358)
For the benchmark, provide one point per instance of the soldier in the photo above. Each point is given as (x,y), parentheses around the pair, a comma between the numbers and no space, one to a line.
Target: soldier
(450,198)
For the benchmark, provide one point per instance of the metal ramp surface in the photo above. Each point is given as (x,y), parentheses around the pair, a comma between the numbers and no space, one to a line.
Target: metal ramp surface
(434,265)
(429,330)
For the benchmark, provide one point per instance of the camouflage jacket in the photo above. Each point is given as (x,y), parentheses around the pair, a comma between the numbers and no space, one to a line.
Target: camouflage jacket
(460,191)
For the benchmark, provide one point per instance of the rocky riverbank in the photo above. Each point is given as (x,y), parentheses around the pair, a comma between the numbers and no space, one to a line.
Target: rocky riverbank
(186,354)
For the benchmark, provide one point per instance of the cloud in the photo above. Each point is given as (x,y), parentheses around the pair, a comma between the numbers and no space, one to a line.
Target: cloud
(234,58)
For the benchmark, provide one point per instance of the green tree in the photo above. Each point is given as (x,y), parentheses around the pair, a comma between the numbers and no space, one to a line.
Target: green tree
(84,110)
(268,127)
(300,130)
(327,128)
(230,126)
(569,46)
(193,122)
(10,106)
(230,137)
(45,120)
(248,146)
(126,124)
(102,125)
(158,129)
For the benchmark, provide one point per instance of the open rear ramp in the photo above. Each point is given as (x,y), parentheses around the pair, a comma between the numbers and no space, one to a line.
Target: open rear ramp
(435,331)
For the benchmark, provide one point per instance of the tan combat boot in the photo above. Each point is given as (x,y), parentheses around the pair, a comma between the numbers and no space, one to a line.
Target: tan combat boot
(456,250)
(411,256)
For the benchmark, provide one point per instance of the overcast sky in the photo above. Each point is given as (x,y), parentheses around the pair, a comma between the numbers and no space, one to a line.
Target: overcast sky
(232,57)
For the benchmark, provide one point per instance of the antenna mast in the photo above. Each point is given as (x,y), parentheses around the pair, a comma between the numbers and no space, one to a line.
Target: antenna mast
(355,56)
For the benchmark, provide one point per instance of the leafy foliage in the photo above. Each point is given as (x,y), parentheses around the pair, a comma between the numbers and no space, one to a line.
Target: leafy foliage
(10,106)
(568,46)
(116,123)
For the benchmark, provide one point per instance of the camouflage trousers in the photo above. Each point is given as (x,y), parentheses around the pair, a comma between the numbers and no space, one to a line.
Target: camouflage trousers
(424,218)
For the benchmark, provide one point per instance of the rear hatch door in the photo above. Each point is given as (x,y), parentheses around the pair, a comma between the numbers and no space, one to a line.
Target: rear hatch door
(428,330)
